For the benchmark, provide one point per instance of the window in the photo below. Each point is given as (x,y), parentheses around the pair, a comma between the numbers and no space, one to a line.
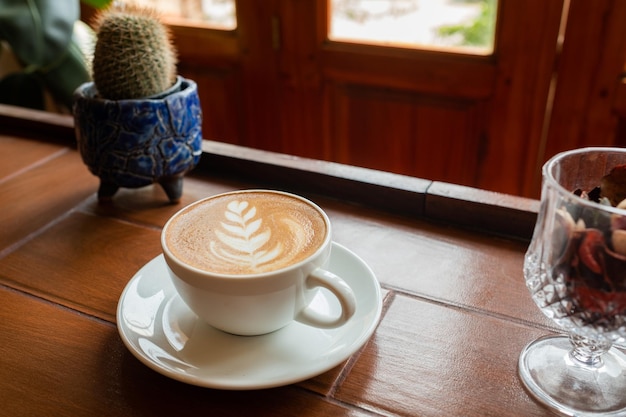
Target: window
(215,14)
(457,25)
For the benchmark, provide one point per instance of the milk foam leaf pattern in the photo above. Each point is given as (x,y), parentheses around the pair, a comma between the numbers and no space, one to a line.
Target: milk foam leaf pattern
(250,214)
(243,237)
(246,231)
(244,244)
(236,207)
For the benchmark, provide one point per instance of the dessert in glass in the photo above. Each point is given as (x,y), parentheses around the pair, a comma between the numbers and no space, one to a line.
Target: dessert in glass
(575,270)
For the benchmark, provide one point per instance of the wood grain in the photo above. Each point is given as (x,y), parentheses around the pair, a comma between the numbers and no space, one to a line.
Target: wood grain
(42,193)
(433,360)
(57,362)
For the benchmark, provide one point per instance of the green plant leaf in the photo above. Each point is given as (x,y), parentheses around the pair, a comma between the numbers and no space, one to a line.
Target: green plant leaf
(98,4)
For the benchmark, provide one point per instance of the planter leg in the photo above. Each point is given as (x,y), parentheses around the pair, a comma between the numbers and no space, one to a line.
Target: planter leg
(106,191)
(173,187)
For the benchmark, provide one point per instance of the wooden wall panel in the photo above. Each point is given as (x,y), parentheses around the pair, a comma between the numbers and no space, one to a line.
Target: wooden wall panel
(526,52)
(589,90)
(220,92)
(449,141)
(407,133)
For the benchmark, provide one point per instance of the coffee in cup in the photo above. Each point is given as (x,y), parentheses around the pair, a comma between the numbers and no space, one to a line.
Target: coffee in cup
(249,262)
(246,233)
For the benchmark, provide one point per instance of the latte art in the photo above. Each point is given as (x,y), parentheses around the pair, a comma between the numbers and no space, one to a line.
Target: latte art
(243,241)
(246,233)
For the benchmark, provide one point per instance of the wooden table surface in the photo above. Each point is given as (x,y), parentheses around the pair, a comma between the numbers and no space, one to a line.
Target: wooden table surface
(456,312)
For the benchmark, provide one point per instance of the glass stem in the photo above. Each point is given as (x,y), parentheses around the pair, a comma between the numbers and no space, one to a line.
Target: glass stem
(588,352)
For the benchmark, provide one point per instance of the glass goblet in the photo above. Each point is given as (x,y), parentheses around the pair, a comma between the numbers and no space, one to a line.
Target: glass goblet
(575,270)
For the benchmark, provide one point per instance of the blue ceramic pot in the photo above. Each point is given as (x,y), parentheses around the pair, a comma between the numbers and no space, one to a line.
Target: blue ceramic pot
(134,143)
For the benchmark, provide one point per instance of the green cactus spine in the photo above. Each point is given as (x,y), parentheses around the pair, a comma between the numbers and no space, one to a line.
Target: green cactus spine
(134,56)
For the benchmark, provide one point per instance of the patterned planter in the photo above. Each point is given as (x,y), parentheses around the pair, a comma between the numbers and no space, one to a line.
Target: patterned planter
(134,143)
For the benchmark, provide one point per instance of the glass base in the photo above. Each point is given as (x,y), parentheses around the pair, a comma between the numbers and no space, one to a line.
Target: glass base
(572,387)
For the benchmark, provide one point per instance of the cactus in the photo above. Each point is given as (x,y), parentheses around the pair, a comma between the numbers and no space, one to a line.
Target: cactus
(134,56)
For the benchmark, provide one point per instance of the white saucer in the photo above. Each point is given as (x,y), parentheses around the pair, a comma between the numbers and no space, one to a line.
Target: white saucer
(161,331)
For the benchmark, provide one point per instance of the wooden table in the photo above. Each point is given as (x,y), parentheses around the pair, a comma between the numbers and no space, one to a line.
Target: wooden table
(456,313)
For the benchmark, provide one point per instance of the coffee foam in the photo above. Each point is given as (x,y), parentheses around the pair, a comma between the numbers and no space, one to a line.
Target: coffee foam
(246,233)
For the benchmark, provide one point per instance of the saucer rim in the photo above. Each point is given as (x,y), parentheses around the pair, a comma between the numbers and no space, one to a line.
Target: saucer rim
(354,345)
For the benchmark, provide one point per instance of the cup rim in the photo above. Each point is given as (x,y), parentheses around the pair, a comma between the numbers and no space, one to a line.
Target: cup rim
(547,176)
(216,275)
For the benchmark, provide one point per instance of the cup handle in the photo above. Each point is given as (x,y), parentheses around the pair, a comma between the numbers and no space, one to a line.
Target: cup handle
(325,279)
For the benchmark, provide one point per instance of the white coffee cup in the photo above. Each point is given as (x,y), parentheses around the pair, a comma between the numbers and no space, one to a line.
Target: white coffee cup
(250,262)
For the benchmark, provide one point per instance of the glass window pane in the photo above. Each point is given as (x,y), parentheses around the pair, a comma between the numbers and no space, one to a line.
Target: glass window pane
(453,25)
(215,14)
